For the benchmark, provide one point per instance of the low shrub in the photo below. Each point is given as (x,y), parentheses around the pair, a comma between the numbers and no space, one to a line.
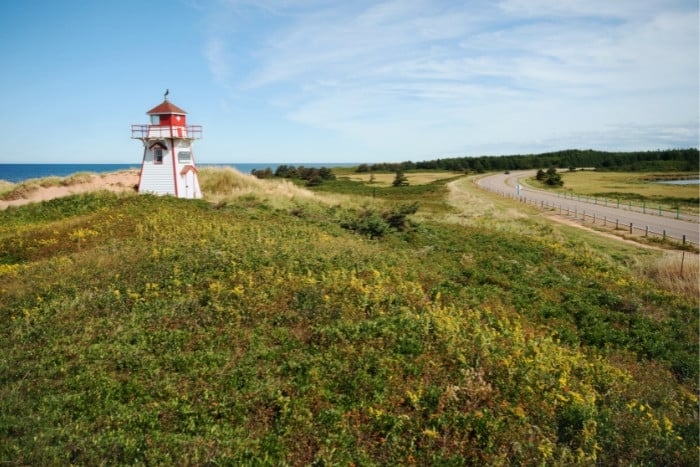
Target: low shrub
(374,224)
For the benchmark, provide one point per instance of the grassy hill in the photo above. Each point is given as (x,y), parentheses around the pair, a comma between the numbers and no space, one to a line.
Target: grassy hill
(279,326)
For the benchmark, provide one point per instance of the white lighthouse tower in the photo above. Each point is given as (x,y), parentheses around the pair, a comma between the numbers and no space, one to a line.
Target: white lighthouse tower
(168,161)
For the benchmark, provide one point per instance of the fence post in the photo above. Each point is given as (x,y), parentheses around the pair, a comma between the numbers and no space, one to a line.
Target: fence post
(683,239)
(630,227)
(660,211)
(678,214)
(646,231)
(664,234)
(605,221)
(594,218)
(682,261)
(617,224)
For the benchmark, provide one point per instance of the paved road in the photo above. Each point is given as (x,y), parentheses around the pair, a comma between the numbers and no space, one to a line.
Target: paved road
(507,185)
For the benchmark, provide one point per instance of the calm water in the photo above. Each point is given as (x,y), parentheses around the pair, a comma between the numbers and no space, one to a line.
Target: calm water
(19,172)
(692,181)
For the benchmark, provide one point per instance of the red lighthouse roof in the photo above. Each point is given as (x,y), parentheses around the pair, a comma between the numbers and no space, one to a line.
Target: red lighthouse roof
(166,107)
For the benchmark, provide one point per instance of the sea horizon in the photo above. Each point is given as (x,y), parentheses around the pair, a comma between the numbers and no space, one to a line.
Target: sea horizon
(20,172)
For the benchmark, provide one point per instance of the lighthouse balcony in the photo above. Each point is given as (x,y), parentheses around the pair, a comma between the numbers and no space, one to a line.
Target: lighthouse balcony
(159,132)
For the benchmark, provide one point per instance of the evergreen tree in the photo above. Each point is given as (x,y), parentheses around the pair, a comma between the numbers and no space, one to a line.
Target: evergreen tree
(400,179)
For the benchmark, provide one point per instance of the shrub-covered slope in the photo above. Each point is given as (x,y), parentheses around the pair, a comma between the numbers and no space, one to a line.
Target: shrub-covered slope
(154,330)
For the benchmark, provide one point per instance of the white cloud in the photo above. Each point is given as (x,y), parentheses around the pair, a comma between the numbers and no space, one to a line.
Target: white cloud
(217,59)
(440,74)
(618,9)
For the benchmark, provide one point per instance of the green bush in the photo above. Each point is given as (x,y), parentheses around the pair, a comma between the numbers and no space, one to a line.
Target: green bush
(550,177)
(367,222)
(374,224)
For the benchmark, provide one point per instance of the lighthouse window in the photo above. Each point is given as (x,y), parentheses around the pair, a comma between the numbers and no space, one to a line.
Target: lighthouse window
(157,156)
(184,156)
(155,119)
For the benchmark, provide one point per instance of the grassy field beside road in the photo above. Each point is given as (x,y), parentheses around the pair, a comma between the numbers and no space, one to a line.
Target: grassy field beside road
(637,187)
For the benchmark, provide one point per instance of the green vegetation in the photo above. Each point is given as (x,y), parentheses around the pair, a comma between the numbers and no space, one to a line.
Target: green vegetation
(550,178)
(400,179)
(312,176)
(269,328)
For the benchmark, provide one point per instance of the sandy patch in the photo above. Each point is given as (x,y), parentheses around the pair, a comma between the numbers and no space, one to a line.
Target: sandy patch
(123,181)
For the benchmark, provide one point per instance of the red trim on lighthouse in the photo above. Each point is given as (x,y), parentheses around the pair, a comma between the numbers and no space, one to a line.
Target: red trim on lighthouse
(172,150)
(158,144)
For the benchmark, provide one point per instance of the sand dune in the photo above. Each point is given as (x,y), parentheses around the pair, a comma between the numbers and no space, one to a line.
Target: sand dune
(118,182)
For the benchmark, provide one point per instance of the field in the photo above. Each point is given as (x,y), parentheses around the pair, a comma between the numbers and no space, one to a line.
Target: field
(352,325)
(386,179)
(634,186)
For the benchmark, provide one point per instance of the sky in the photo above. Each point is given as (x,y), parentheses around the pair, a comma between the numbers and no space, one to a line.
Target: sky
(319,81)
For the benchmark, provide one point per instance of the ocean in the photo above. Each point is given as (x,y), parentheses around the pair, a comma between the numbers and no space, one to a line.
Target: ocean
(16,173)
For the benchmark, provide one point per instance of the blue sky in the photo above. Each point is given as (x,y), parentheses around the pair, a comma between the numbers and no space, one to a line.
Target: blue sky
(339,81)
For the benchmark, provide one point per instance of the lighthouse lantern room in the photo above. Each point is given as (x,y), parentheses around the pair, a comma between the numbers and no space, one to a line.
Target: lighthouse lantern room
(168,166)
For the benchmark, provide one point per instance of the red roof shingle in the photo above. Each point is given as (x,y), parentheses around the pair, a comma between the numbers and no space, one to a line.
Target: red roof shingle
(166,107)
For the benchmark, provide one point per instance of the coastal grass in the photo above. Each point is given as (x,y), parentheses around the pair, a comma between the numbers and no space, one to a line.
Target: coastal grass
(5,187)
(12,191)
(261,328)
(677,271)
(222,185)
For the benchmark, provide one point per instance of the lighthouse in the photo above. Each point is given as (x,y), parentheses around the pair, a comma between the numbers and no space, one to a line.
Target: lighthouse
(168,165)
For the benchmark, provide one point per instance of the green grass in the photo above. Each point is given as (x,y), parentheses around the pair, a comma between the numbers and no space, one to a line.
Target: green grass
(385,179)
(153,330)
(430,195)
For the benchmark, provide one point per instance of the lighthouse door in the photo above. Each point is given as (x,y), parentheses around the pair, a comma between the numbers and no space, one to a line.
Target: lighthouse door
(189,184)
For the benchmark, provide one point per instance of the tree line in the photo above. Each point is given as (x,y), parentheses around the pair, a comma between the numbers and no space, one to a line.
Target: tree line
(661,160)
(312,175)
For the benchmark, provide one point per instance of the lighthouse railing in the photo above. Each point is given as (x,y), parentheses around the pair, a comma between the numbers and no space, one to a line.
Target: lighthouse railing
(156,132)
